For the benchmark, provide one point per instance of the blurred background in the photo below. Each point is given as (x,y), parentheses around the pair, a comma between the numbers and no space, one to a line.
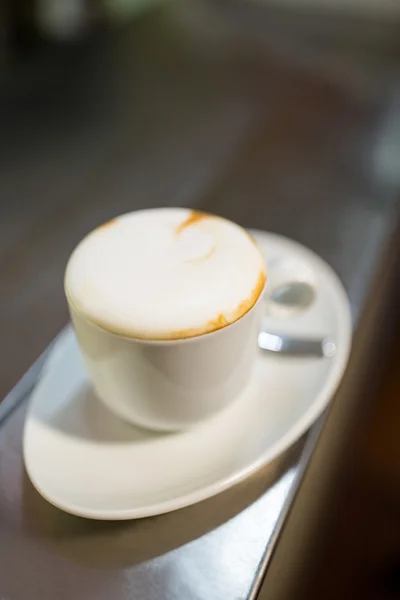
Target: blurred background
(108,106)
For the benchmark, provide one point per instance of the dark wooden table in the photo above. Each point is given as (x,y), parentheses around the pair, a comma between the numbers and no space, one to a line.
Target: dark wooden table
(251,114)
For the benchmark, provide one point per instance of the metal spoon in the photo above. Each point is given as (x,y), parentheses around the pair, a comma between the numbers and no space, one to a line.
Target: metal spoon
(320,347)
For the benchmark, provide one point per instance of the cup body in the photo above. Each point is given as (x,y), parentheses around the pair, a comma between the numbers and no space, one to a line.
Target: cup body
(169,385)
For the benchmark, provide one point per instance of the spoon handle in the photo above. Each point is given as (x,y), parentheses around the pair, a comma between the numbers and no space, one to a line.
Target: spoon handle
(320,347)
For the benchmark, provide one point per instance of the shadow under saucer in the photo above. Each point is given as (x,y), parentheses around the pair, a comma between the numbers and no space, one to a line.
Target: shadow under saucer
(111,544)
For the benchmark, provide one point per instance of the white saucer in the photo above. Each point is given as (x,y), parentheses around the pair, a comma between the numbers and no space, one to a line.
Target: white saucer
(87,462)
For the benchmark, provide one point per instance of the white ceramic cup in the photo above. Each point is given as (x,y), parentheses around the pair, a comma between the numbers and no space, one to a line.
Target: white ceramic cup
(169,384)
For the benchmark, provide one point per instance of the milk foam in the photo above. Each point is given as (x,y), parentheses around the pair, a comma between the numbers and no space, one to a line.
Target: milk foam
(165,274)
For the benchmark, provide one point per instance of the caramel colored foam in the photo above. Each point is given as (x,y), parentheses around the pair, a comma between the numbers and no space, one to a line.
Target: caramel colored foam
(222,320)
(253,241)
(123,300)
(219,322)
(194,217)
(202,258)
(108,224)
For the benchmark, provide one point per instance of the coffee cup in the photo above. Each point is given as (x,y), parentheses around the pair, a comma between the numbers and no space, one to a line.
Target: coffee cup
(167,305)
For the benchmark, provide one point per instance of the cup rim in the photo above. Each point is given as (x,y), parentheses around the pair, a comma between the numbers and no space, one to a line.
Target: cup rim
(163,342)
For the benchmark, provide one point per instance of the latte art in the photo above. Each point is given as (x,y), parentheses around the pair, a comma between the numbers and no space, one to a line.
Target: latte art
(164,274)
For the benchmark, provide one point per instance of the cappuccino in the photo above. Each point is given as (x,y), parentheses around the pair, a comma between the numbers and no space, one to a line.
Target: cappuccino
(165,274)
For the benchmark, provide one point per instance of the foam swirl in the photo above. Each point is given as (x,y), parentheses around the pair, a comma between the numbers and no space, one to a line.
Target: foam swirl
(165,274)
